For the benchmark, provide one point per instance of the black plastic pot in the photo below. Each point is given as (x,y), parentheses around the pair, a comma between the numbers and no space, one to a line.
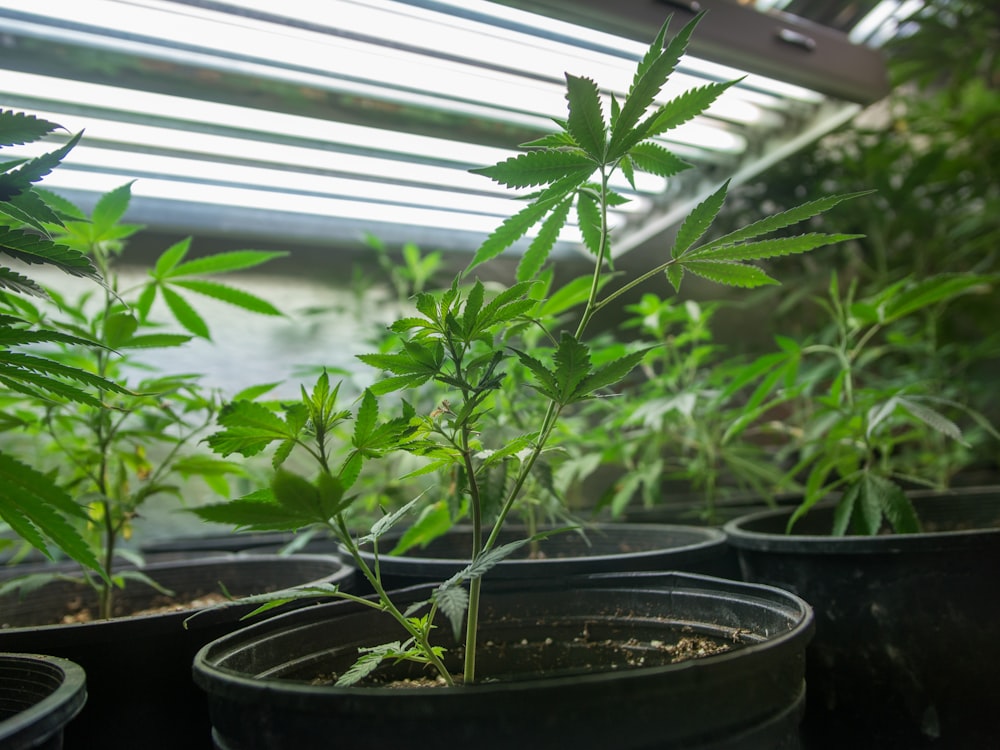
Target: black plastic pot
(906,646)
(231,542)
(605,548)
(39,696)
(138,667)
(260,680)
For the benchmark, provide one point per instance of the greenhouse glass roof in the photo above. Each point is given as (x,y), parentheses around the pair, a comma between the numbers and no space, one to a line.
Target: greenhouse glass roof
(317,122)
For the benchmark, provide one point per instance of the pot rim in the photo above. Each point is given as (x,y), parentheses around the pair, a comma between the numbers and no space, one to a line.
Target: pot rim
(742,537)
(703,538)
(61,705)
(341,572)
(796,609)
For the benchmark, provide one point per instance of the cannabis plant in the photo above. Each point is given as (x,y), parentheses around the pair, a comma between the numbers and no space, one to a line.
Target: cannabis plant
(136,439)
(686,417)
(466,339)
(869,420)
(35,507)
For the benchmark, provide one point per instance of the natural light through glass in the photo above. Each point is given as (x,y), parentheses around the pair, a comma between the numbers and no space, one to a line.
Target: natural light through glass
(483,65)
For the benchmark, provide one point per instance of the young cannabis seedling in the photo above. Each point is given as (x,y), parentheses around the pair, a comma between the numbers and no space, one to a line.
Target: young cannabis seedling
(35,507)
(463,338)
(135,438)
(860,420)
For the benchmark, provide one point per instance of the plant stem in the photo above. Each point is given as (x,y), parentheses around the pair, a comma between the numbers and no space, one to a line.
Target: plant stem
(552,412)
(475,586)
(384,602)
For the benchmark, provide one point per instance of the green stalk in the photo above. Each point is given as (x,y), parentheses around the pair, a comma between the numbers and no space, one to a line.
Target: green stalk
(549,420)
(475,586)
(384,602)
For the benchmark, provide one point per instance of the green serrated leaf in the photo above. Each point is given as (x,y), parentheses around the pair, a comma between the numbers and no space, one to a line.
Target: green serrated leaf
(367,663)
(609,374)
(560,140)
(15,182)
(309,503)
(110,209)
(249,428)
(588,214)
(470,312)
(510,231)
(170,258)
(730,274)
(453,601)
(844,511)
(572,359)
(251,514)
(404,363)
(782,220)
(534,168)
(32,249)
(655,159)
(28,207)
(933,418)
(548,384)
(627,167)
(651,74)
(675,274)
(227,262)
(897,508)
(366,419)
(20,284)
(229,295)
(36,508)
(534,258)
(685,107)
(772,248)
(698,221)
(868,510)
(185,314)
(19,128)
(586,118)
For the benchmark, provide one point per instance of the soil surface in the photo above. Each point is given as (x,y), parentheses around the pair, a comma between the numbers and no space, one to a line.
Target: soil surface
(161,605)
(550,658)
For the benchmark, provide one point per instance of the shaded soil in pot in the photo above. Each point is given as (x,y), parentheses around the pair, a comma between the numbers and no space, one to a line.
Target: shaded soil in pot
(68,602)
(77,612)
(561,654)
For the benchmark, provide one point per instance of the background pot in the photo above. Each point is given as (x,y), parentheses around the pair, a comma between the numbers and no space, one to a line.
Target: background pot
(605,548)
(259,678)
(139,667)
(906,642)
(228,542)
(39,695)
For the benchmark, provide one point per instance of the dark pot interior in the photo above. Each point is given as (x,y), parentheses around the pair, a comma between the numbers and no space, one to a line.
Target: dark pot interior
(39,695)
